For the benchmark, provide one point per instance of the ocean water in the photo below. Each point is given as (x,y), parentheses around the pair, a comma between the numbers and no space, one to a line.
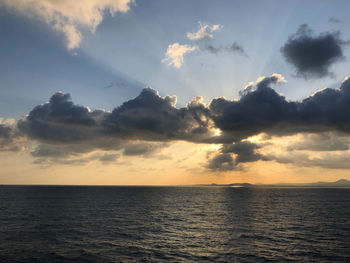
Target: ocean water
(173,224)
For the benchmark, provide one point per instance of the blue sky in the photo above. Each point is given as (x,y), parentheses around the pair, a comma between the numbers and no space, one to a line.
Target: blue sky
(125,53)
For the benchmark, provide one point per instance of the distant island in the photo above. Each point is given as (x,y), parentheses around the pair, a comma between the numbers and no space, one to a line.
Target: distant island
(342,183)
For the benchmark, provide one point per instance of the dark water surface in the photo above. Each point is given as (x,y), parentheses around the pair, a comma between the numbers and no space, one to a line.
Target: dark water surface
(173,224)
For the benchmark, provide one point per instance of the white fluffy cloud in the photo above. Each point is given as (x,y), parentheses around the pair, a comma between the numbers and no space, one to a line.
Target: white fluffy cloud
(203,32)
(69,16)
(175,54)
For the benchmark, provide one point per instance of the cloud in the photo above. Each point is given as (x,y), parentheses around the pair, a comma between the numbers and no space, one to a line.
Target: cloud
(234,47)
(174,55)
(231,156)
(69,17)
(10,139)
(154,118)
(213,49)
(321,142)
(325,160)
(143,148)
(264,110)
(221,162)
(108,157)
(61,130)
(64,129)
(335,20)
(312,56)
(6,139)
(258,110)
(204,32)
(104,158)
(59,120)
(5,132)
(262,82)
(245,151)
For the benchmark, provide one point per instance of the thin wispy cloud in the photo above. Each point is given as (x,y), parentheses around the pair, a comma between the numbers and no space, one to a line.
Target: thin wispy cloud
(204,32)
(335,20)
(234,48)
(202,37)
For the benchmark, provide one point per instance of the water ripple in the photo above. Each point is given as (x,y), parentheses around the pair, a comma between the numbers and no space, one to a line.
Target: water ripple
(173,224)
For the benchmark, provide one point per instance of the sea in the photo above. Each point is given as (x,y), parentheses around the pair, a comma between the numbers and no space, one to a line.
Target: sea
(173,224)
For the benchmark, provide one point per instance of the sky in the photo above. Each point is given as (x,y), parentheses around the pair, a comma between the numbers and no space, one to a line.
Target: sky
(123,92)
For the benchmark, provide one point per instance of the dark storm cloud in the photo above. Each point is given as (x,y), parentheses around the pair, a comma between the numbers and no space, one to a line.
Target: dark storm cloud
(151,117)
(326,110)
(5,138)
(5,131)
(60,120)
(245,151)
(8,139)
(147,117)
(64,129)
(257,111)
(144,125)
(312,56)
(221,162)
(231,155)
(264,110)
(144,149)
(154,118)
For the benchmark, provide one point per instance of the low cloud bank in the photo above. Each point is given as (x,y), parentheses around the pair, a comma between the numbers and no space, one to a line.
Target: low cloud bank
(146,124)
